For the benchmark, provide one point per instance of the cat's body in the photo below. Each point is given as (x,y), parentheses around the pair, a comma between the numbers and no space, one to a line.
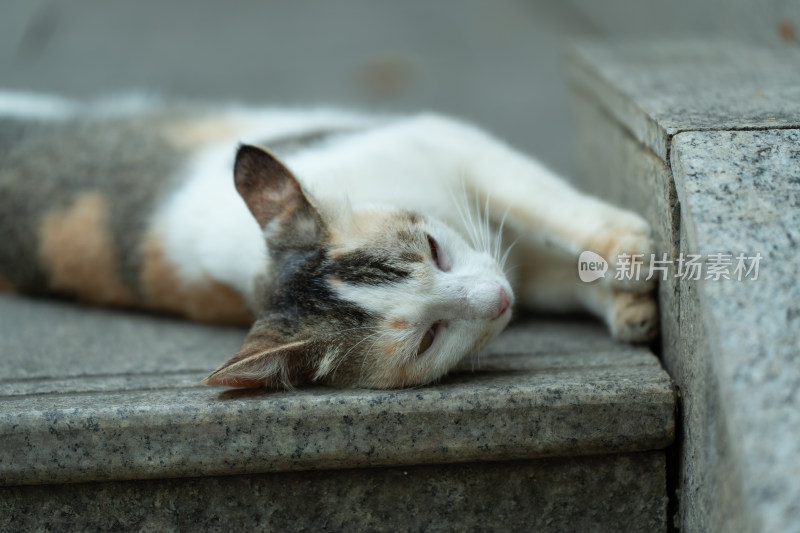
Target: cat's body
(354,265)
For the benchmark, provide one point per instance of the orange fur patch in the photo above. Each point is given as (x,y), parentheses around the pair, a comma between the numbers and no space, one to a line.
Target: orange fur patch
(398,324)
(208,301)
(604,242)
(364,227)
(524,216)
(5,284)
(401,376)
(77,253)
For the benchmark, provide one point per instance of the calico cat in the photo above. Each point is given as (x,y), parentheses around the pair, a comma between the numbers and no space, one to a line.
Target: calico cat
(364,251)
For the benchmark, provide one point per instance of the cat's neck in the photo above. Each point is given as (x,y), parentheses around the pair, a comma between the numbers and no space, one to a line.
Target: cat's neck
(206,229)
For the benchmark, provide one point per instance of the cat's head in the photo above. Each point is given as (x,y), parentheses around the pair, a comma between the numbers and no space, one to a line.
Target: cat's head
(369,296)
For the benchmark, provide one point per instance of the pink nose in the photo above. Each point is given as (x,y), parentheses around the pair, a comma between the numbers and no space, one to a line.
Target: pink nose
(502,302)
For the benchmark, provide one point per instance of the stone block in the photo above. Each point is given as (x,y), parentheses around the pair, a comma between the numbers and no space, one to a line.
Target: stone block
(593,494)
(658,89)
(721,120)
(740,193)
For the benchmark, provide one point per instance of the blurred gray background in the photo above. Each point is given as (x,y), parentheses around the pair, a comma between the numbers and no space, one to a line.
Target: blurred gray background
(493,62)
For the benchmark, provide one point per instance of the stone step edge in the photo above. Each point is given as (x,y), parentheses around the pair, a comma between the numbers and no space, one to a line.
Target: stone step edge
(194,433)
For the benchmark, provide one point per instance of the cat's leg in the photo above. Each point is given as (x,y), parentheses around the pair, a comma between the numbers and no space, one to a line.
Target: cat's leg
(547,281)
(550,215)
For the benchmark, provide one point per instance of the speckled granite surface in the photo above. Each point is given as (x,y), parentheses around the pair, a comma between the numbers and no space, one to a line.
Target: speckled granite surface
(658,89)
(588,494)
(733,349)
(81,403)
(740,192)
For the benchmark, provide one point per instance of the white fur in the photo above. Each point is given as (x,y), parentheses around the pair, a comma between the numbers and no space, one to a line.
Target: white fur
(208,230)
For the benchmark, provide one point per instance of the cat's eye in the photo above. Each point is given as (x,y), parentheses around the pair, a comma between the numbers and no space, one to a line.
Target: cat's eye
(427,341)
(436,254)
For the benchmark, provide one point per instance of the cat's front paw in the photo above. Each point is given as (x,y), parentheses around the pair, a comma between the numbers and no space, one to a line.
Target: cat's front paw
(628,247)
(633,316)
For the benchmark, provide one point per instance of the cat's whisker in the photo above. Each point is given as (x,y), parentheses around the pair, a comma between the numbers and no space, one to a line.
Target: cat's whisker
(364,360)
(473,229)
(471,211)
(339,362)
(486,229)
(477,359)
(355,328)
(458,205)
(342,359)
(499,238)
(506,253)
(339,333)
(479,224)
(509,270)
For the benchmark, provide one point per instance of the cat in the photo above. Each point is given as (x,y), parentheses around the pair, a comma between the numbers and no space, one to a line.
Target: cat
(362,250)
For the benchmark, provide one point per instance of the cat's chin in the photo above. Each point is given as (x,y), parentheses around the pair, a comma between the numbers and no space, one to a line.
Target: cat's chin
(496,326)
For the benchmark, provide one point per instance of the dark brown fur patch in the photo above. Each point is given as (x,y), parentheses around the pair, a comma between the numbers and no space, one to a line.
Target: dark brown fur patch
(410,257)
(406,236)
(208,301)
(77,252)
(360,267)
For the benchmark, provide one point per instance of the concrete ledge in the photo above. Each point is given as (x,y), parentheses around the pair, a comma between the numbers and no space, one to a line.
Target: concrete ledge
(599,493)
(659,89)
(740,193)
(545,389)
(719,124)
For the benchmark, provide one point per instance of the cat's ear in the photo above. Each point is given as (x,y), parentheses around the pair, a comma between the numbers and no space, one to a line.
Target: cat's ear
(263,363)
(271,191)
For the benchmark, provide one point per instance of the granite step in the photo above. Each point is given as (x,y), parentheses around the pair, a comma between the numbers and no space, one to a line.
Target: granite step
(554,419)
(702,138)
